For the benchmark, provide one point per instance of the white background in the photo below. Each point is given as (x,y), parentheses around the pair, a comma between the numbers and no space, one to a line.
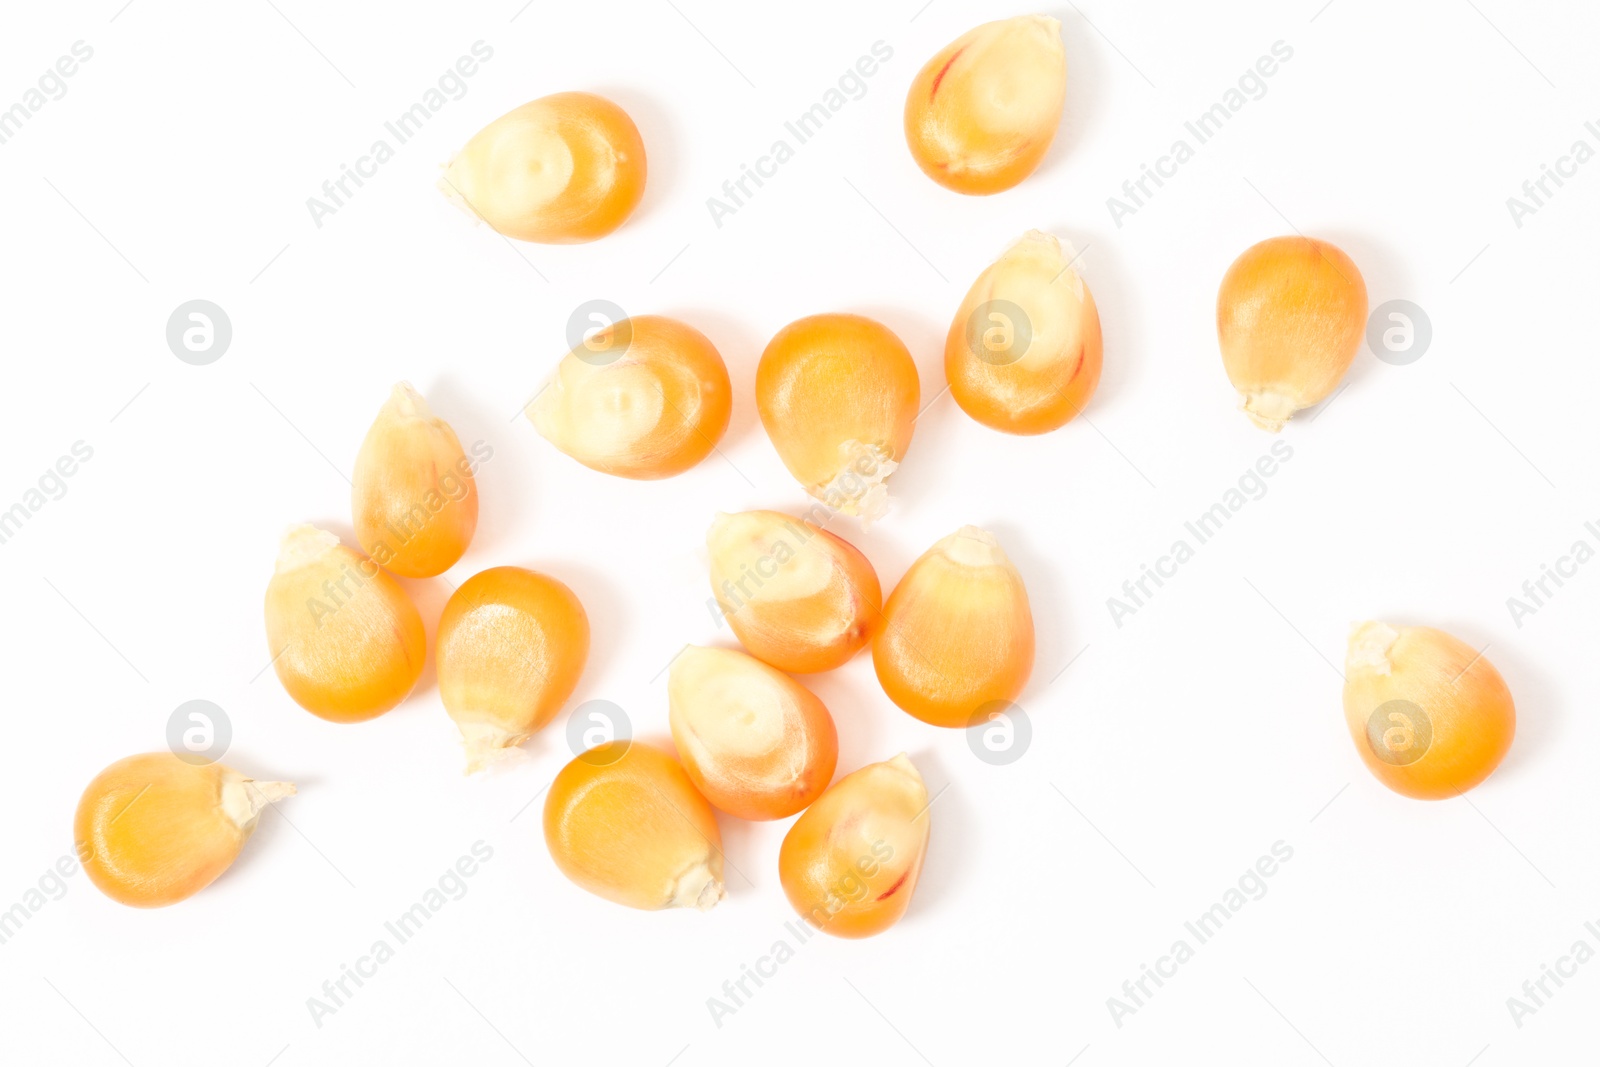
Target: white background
(1176,749)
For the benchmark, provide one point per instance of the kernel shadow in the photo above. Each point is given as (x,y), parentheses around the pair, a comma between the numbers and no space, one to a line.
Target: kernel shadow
(660,132)
(1086,70)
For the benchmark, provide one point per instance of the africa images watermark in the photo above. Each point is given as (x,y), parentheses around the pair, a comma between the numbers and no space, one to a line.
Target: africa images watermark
(51,85)
(1252,485)
(1252,85)
(336,192)
(451,886)
(1537,992)
(1537,592)
(1537,191)
(50,886)
(51,486)
(859,478)
(850,888)
(1251,885)
(451,485)
(737,191)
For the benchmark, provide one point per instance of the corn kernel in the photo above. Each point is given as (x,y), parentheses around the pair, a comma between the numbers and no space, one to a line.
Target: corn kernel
(1429,715)
(1290,317)
(838,396)
(850,862)
(755,742)
(642,398)
(152,830)
(624,821)
(414,498)
(1023,354)
(346,641)
(795,595)
(562,169)
(982,113)
(957,636)
(512,644)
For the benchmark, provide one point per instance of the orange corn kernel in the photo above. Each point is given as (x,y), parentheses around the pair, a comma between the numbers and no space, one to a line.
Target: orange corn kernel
(563,169)
(982,113)
(1290,317)
(152,830)
(957,637)
(624,821)
(850,862)
(512,644)
(1430,716)
(838,396)
(642,398)
(414,498)
(346,641)
(756,743)
(1023,354)
(796,596)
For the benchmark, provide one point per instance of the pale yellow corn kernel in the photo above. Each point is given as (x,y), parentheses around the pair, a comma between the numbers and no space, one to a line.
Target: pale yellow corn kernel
(982,113)
(850,862)
(957,638)
(624,822)
(1291,314)
(646,397)
(1430,716)
(414,499)
(511,646)
(154,829)
(795,595)
(345,640)
(755,742)
(562,169)
(838,395)
(1023,353)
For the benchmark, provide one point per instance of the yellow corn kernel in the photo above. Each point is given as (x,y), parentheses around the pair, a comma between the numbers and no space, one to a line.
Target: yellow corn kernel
(562,169)
(838,396)
(982,113)
(795,595)
(346,641)
(957,637)
(1023,354)
(756,743)
(642,398)
(512,644)
(624,821)
(414,498)
(1430,716)
(850,862)
(1290,317)
(152,830)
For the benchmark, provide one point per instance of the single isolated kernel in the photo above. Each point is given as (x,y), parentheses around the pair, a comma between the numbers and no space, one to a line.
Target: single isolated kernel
(414,499)
(512,644)
(624,821)
(152,830)
(562,169)
(1430,716)
(646,397)
(957,638)
(838,396)
(345,640)
(850,862)
(1290,317)
(755,742)
(982,113)
(795,595)
(1023,353)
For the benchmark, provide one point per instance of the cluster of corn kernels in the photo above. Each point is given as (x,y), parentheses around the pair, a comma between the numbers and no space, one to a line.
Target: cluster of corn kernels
(838,394)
